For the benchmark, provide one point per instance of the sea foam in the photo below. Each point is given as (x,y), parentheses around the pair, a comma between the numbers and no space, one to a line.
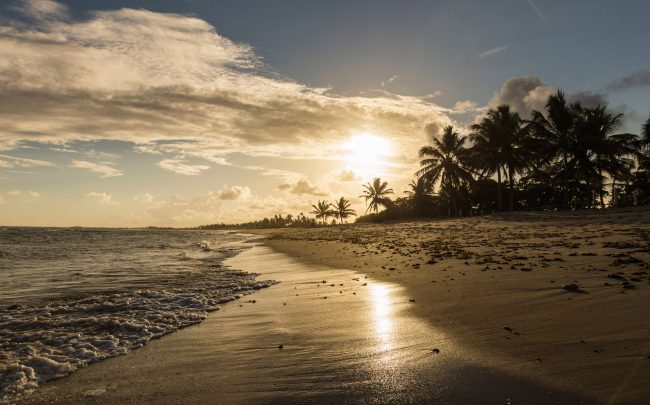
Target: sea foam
(119,290)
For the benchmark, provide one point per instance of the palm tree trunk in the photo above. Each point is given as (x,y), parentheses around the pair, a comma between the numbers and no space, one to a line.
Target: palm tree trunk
(511,192)
(601,188)
(614,202)
(565,180)
(499,199)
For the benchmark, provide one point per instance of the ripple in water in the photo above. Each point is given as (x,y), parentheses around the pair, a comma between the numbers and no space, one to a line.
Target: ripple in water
(118,289)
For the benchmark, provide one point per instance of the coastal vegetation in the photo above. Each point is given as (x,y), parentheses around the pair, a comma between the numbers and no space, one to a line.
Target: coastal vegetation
(568,156)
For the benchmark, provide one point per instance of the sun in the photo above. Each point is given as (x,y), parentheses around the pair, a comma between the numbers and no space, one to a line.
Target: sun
(368,153)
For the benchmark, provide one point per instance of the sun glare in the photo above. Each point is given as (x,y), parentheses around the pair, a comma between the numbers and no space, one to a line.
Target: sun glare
(368,153)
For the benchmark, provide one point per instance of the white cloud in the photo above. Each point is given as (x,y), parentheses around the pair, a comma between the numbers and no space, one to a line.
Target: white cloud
(179,166)
(389,81)
(435,94)
(347,175)
(234,193)
(302,187)
(492,51)
(101,198)
(42,9)
(464,106)
(23,195)
(537,11)
(105,169)
(8,161)
(144,197)
(141,76)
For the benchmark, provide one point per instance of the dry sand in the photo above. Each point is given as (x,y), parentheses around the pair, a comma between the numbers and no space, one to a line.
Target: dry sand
(486,292)
(495,284)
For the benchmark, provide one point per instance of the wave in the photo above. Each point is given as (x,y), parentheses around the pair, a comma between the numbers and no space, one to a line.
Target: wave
(40,343)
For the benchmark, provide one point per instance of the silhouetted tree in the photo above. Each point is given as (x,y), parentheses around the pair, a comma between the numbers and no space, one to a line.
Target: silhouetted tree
(376,194)
(420,195)
(499,146)
(342,209)
(555,134)
(446,162)
(322,210)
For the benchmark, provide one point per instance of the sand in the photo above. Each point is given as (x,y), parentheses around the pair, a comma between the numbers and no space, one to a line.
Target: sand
(496,284)
(360,310)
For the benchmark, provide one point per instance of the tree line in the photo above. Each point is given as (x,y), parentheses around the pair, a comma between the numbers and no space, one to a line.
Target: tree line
(568,156)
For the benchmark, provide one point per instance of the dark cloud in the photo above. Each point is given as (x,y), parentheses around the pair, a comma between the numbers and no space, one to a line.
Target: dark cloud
(523,94)
(528,93)
(588,99)
(635,80)
(433,129)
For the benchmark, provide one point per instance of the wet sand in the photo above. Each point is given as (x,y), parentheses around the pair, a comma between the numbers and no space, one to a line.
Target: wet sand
(345,339)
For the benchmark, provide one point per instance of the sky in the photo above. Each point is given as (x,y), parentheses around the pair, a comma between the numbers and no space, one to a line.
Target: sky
(180,113)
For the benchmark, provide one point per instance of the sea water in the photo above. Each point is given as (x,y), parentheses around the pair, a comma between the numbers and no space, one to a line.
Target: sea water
(71,297)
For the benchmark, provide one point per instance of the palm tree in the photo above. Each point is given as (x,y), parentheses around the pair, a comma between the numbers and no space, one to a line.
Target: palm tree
(621,162)
(420,195)
(377,193)
(645,134)
(446,162)
(322,210)
(342,209)
(594,151)
(500,146)
(554,132)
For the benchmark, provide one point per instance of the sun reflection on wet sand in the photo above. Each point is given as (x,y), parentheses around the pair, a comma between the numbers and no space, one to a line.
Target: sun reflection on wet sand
(382,316)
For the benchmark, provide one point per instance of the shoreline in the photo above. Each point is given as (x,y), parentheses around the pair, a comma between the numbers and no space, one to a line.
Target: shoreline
(594,341)
(349,339)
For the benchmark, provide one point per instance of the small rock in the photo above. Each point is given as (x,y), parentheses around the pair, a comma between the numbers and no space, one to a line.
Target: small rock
(570,287)
(281,346)
(436,351)
(508,328)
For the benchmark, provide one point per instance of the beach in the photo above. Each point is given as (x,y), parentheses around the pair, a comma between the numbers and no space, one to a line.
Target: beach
(523,308)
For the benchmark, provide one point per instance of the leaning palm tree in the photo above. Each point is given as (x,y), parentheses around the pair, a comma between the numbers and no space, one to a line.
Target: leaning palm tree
(342,209)
(447,162)
(376,194)
(500,147)
(322,210)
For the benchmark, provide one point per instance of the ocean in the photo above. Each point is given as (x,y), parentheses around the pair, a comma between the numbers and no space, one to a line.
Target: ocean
(70,297)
